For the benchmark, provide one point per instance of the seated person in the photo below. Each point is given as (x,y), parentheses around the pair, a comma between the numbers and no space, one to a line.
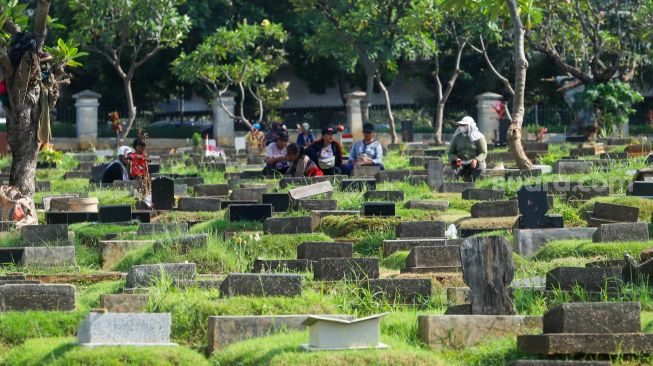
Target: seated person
(305,136)
(275,156)
(326,153)
(468,150)
(254,140)
(365,152)
(300,165)
(117,170)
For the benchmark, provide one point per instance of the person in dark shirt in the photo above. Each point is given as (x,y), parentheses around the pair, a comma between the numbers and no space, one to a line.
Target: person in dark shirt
(117,170)
(305,136)
(326,153)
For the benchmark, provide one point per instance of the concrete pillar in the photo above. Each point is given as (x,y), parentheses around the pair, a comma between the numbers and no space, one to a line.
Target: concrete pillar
(86,117)
(223,124)
(355,114)
(488,119)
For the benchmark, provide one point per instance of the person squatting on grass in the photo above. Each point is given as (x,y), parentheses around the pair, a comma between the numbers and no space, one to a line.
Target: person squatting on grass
(468,151)
(299,164)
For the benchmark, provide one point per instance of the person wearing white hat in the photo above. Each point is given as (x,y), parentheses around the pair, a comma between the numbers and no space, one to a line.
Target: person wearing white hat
(305,136)
(468,150)
(117,170)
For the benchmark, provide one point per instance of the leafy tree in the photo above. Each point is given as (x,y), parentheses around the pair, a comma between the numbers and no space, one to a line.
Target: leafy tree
(33,79)
(241,58)
(368,33)
(611,102)
(128,33)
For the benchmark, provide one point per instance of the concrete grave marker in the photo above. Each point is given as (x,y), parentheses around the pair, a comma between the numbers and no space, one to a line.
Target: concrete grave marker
(147,274)
(428,205)
(384,196)
(287,225)
(442,258)
(483,194)
(628,231)
(124,303)
(338,334)
(37,297)
(198,204)
(435,175)
(280,201)
(249,212)
(35,235)
(314,251)
(311,190)
(115,213)
(495,209)
(378,209)
(212,190)
(127,329)
(421,229)
(336,269)
(261,284)
(163,193)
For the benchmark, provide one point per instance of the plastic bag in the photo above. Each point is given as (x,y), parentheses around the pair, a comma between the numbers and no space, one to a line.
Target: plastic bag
(16,207)
(452,232)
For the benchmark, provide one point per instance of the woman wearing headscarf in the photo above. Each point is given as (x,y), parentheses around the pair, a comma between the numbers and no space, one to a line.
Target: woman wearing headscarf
(468,150)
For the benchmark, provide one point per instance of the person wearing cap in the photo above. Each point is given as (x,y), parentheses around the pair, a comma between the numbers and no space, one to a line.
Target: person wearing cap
(468,150)
(275,155)
(117,170)
(305,136)
(326,153)
(365,152)
(275,130)
(254,140)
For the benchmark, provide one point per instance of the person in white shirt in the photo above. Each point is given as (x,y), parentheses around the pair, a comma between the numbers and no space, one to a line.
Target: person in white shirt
(365,152)
(275,156)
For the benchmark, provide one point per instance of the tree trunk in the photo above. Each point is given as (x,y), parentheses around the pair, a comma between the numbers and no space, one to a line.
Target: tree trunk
(131,108)
(521,65)
(369,91)
(439,120)
(23,112)
(388,106)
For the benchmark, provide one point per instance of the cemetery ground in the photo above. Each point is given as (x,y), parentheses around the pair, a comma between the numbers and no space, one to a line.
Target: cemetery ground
(48,337)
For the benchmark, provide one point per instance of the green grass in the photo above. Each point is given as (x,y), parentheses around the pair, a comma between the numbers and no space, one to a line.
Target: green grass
(396,260)
(356,227)
(585,248)
(65,351)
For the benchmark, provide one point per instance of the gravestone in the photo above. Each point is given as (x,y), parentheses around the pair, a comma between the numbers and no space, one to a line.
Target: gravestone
(55,218)
(314,251)
(311,190)
(255,284)
(400,290)
(249,212)
(572,166)
(435,175)
(280,201)
(336,269)
(35,235)
(443,258)
(640,189)
(483,194)
(586,193)
(591,279)
(365,171)
(97,172)
(398,175)
(391,246)
(37,297)
(163,193)
(495,209)
(147,274)
(455,187)
(533,206)
(488,270)
(248,194)
(127,329)
(115,213)
(281,265)
(287,225)
(615,212)
(527,242)
(212,190)
(161,227)
(124,303)
(199,204)
(384,196)
(312,205)
(594,317)
(522,174)
(627,231)
(421,229)
(428,205)
(378,208)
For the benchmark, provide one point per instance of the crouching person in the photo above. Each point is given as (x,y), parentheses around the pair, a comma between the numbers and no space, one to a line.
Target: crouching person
(300,165)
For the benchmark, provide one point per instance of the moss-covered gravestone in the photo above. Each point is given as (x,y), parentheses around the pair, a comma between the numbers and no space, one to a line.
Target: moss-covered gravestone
(488,270)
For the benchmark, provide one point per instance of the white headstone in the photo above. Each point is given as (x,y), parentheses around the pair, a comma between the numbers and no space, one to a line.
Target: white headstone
(223,124)
(488,119)
(339,334)
(355,114)
(86,117)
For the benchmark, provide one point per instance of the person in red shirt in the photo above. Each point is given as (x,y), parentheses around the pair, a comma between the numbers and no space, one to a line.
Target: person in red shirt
(139,159)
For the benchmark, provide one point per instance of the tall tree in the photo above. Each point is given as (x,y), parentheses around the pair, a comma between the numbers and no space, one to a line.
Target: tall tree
(33,79)
(363,32)
(240,58)
(128,33)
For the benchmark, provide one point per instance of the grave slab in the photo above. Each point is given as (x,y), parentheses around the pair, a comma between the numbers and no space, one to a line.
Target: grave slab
(591,279)
(362,171)
(124,303)
(444,258)
(483,194)
(455,187)
(400,290)
(249,212)
(338,334)
(314,251)
(596,317)
(318,215)
(112,251)
(225,330)
(115,213)
(357,185)
(311,190)
(212,190)
(259,284)
(315,205)
(495,209)
(35,235)
(280,201)
(421,229)
(146,274)
(248,194)
(461,331)
(378,209)
(37,297)
(631,231)
(128,329)
(197,204)
(281,265)
(394,245)
(527,242)
(398,175)
(287,225)
(160,227)
(45,257)
(163,193)
(588,344)
(336,269)
(428,205)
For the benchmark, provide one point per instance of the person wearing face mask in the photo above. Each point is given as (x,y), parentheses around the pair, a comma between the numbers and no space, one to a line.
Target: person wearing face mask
(468,150)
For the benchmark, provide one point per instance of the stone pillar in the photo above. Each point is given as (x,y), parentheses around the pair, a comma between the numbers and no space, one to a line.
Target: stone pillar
(223,124)
(488,119)
(355,114)
(86,117)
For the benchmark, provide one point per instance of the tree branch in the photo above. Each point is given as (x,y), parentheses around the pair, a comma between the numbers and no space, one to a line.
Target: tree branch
(503,79)
(41,23)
